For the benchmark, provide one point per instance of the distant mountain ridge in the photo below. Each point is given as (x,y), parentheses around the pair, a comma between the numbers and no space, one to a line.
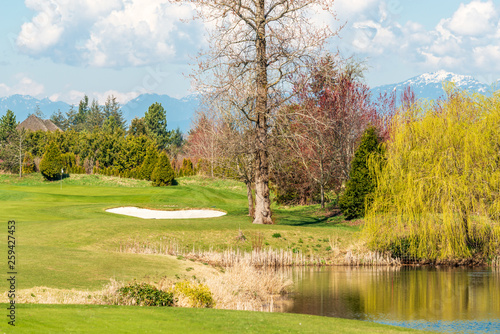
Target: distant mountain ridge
(430,85)
(180,111)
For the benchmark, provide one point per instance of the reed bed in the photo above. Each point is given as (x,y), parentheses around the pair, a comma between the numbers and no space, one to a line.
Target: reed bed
(356,255)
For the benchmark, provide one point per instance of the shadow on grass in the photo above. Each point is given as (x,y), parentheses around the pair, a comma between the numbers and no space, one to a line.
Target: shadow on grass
(309,216)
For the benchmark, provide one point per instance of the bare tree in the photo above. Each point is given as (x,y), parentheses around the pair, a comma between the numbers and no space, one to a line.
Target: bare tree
(322,129)
(264,42)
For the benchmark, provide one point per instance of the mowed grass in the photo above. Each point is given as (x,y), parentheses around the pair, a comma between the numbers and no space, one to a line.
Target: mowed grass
(65,239)
(131,319)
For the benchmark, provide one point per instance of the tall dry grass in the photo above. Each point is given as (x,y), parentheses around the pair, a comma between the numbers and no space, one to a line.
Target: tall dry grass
(240,287)
(354,255)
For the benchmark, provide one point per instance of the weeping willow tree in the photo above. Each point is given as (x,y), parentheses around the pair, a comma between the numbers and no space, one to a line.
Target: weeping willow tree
(438,190)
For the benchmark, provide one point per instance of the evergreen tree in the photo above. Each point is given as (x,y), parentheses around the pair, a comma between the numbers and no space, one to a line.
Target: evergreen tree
(8,125)
(156,124)
(187,168)
(163,174)
(361,182)
(112,108)
(59,119)
(149,163)
(82,114)
(51,163)
(95,117)
(137,127)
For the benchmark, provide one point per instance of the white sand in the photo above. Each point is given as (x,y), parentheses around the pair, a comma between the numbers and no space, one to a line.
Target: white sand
(158,214)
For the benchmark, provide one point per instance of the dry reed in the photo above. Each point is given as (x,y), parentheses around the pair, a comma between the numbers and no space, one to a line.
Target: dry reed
(354,255)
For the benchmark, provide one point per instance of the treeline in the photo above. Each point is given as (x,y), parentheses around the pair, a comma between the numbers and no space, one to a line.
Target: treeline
(96,141)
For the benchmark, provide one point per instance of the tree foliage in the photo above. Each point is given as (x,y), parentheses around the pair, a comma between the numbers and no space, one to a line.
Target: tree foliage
(438,192)
(163,174)
(51,163)
(361,182)
(155,120)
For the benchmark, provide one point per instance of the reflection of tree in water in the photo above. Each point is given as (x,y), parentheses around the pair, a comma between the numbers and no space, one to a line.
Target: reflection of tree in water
(398,293)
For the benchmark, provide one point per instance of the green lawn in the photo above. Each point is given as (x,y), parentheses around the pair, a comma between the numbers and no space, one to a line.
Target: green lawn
(130,319)
(66,240)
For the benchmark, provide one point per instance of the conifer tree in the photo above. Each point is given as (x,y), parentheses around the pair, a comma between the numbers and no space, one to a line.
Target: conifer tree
(51,163)
(163,174)
(149,163)
(361,182)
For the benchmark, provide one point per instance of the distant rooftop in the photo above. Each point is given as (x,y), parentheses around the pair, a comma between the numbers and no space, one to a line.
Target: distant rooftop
(34,123)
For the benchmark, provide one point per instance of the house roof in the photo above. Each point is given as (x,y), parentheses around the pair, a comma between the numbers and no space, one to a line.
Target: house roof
(34,123)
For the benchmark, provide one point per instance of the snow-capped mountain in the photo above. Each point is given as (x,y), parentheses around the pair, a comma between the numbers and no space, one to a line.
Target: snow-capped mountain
(180,111)
(430,85)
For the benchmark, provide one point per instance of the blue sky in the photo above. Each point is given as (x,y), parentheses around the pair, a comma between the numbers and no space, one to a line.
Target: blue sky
(62,49)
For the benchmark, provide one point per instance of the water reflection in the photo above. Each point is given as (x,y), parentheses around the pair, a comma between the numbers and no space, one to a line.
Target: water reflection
(398,294)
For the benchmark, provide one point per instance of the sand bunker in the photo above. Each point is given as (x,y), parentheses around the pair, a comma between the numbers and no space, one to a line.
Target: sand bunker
(158,214)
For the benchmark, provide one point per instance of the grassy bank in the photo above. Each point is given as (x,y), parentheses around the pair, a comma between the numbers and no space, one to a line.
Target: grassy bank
(129,319)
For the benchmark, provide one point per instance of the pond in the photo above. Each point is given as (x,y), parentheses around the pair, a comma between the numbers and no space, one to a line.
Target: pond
(451,300)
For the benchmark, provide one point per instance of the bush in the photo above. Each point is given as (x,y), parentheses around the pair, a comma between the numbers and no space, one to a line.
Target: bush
(28,163)
(51,163)
(361,182)
(199,295)
(163,174)
(144,294)
(149,163)
(187,168)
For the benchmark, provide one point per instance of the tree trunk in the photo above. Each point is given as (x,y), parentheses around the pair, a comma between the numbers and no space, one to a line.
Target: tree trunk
(262,199)
(20,156)
(251,208)
(322,189)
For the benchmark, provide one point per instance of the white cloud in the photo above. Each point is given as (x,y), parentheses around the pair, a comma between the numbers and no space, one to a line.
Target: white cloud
(23,86)
(466,42)
(74,96)
(473,19)
(110,33)
(487,57)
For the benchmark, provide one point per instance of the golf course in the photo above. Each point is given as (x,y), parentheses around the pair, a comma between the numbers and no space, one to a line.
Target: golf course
(68,248)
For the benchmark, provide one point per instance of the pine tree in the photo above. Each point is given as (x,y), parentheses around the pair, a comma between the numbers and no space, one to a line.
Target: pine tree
(156,124)
(361,182)
(51,163)
(8,125)
(163,174)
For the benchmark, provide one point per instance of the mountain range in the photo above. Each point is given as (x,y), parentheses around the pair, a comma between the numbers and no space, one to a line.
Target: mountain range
(179,111)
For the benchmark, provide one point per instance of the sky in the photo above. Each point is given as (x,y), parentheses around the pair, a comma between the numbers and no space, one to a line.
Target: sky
(63,49)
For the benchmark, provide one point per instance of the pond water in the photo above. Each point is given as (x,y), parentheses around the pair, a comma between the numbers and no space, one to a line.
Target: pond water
(451,300)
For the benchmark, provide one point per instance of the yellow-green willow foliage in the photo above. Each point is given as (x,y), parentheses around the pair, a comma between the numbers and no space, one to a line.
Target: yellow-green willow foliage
(438,194)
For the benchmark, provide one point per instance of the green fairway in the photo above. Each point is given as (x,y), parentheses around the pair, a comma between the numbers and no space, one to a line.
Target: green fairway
(65,239)
(130,319)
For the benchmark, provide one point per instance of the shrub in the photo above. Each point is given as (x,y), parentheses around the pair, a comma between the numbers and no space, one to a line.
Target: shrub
(361,181)
(149,163)
(163,174)
(199,295)
(28,163)
(51,163)
(187,168)
(277,235)
(144,294)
